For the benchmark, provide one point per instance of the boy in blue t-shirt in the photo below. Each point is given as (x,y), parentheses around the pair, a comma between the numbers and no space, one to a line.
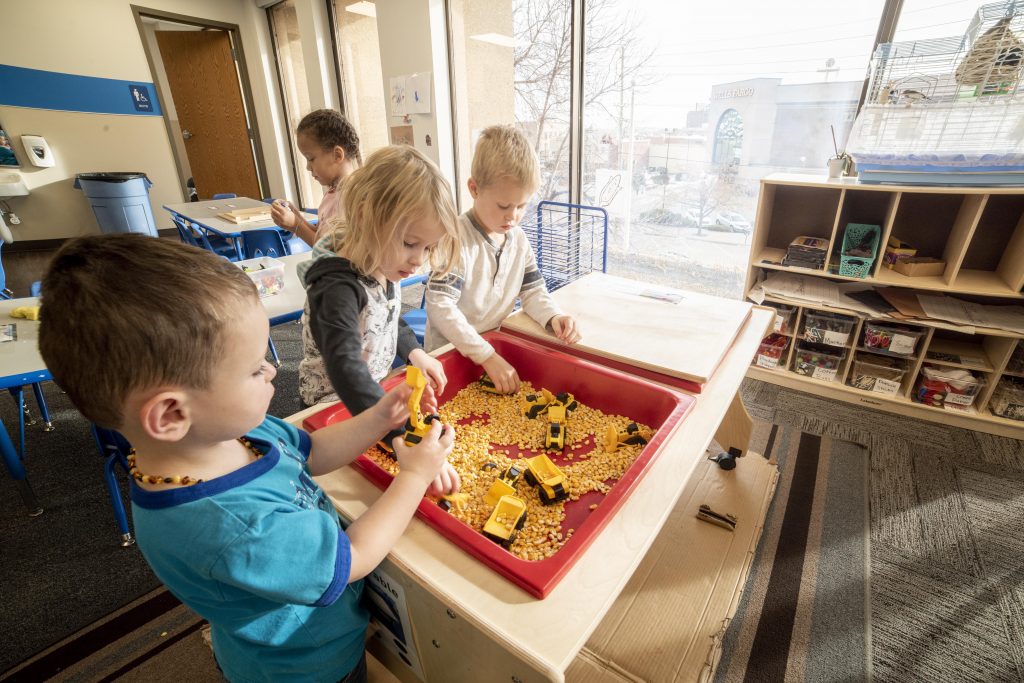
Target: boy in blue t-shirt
(166,343)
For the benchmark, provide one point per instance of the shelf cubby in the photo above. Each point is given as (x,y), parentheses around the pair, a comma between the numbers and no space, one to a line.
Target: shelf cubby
(977,231)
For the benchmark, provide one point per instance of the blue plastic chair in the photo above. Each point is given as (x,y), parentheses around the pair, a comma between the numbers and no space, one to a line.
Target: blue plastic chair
(114,449)
(263,242)
(4,292)
(198,238)
(417,317)
(225,195)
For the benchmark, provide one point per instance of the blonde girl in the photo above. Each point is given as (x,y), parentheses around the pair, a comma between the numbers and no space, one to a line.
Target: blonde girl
(399,214)
(330,145)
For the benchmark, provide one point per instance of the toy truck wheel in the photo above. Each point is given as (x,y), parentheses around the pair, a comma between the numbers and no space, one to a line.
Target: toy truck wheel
(530,479)
(544,497)
(507,543)
(445,505)
(521,523)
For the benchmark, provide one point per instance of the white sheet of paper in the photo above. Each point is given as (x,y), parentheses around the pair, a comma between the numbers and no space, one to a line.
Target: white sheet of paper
(417,93)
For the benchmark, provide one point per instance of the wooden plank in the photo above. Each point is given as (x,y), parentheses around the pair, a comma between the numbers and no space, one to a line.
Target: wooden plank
(243,216)
(960,237)
(627,321)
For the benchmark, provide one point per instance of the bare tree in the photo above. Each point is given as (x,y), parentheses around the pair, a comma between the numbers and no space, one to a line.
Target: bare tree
(614,57)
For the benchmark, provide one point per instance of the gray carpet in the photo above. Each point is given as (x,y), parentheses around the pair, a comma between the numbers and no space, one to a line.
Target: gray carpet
(945,579)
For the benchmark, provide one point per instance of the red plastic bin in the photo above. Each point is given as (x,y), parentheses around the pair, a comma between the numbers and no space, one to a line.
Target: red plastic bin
(606,389)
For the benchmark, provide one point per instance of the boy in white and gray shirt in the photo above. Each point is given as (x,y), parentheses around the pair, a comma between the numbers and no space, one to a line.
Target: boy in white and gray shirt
(498,265)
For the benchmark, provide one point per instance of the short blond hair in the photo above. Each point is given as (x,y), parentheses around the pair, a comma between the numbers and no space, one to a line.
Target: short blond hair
(397,184)
(504,152)
(125,312)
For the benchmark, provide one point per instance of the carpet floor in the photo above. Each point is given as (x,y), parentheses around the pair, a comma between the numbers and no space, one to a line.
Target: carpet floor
(891,552)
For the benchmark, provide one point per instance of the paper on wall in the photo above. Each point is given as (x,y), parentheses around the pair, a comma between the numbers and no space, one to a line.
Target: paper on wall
(417,93)
(398,96)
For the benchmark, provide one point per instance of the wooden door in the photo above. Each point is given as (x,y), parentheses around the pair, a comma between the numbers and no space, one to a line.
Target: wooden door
(208,99)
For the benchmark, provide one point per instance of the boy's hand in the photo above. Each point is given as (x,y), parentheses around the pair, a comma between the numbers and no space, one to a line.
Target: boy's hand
(564,327)
(392,410)
(432,368)
(446,482)
(283,213)
(504,376)
(428,458)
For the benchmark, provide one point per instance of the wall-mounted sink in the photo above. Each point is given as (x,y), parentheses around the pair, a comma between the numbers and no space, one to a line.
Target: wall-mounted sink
(11,185)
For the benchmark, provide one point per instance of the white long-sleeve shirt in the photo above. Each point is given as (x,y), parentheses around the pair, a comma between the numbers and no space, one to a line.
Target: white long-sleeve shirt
(483,290)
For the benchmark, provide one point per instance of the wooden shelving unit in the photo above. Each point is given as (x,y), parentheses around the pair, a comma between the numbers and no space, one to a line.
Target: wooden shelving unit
(977,231)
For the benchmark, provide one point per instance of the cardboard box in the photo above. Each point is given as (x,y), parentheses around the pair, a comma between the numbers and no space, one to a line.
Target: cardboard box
(897,250)
(920,266)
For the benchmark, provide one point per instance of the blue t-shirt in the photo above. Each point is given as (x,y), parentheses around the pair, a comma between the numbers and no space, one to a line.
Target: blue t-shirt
(260,553)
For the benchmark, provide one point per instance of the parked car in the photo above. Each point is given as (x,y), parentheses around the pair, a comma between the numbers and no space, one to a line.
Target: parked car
(730,221)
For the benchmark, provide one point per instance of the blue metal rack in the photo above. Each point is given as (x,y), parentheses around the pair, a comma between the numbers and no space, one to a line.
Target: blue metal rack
(570,240)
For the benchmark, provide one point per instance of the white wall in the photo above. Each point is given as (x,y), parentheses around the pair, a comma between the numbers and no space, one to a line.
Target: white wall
(100,38)
(412,40)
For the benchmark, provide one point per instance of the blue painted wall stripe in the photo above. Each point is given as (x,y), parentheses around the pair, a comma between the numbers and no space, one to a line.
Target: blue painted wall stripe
(37,89)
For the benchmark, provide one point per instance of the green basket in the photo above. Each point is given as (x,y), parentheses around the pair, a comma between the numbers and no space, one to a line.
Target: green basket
(859,236)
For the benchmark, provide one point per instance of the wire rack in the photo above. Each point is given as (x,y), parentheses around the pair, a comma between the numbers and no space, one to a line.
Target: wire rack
(985,61)
(570,240)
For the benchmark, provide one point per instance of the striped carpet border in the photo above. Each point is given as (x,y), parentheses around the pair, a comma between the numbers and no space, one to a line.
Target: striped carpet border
(132,635)
(803,613)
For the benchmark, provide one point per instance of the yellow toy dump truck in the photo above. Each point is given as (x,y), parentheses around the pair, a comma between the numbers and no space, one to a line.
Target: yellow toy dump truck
(459,501)
(508,518)
(632,436)
(547,478)
(417,426)
(555,436)
(505,485)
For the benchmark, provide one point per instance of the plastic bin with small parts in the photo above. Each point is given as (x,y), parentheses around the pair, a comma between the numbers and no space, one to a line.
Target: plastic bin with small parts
(877,374)
(817,361)
(899,341)
(827,328)
(1008,399)
(950,388)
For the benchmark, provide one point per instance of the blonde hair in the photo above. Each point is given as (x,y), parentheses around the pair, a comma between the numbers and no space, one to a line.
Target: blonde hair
(101,334)
(397,184)
(504,152)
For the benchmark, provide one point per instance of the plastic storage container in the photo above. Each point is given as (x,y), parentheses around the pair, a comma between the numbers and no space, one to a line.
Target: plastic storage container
(860,245)
(120,201)
(949,388)
(827,328)
(784,316)
(818,361)
(265,272)
(878,374)
(600,387)
(899,341)
(770,353)
(1008,399)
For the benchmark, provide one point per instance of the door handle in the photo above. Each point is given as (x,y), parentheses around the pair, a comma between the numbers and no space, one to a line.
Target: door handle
(187,134)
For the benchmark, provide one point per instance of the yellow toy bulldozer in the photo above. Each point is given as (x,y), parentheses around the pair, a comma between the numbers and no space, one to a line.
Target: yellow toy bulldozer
(417,426)
(632,436)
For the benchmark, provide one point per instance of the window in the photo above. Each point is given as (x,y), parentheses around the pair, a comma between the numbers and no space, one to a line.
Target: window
(511,64)
(291,71)
(693,104)
(358,49)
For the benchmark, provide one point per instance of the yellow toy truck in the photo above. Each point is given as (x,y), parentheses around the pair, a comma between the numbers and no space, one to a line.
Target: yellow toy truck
(487,384)
(535,405)
(545,475)
(632,436)
(505,522)
(417,426)
(505,485)
(453,500)
(555,437)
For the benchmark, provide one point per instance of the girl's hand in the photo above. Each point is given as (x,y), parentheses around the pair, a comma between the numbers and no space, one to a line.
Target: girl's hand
(284,213)
(428,458)
(564,327)
(432,368)
(504,376)
(428,401)
(446,482)
(392,410)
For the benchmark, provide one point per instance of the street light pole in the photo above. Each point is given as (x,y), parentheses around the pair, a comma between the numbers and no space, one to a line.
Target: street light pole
(629,164)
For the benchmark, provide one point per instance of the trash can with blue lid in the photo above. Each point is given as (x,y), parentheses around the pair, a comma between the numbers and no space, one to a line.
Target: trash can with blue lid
(119,200)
